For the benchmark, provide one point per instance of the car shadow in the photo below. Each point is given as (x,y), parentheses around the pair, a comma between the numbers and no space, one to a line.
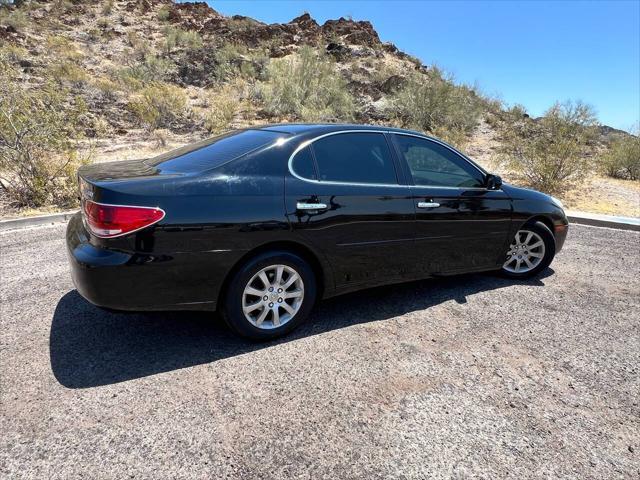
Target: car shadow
(90,346)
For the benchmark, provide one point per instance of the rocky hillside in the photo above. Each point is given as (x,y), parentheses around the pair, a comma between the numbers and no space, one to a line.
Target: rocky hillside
(95,40)
(148,75)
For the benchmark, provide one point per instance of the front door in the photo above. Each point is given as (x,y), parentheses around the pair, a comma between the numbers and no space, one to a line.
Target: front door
(343,196)
(460,224)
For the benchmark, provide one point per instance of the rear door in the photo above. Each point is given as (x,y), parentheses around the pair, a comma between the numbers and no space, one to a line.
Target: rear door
(343,195)
(460,224)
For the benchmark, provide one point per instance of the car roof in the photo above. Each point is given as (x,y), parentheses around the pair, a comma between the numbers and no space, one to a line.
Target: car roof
(304,128)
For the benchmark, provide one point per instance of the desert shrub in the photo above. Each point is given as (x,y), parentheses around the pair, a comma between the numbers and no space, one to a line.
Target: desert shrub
(453,136)
(622,160)
(15,18)
(164,13)
(551,153)
(107,7)
(103,23)
(306,86)
(141,47)
(151,69)
(67,72)
(222,107)
(159,138)
(13,53)
(100,127)
(241,24)
(432,102)
(235,60)
(61,7)
(39,150)
(158,105)
(178,38)
(108,88)
(63,48)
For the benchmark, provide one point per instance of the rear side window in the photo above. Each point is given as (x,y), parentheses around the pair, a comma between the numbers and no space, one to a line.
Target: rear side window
(214,152)
(354,158)
(303,164)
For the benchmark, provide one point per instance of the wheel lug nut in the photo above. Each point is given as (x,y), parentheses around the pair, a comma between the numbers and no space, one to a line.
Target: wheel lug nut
(280,300)
(265,298)
(271,289)
(271,304)
(279,290)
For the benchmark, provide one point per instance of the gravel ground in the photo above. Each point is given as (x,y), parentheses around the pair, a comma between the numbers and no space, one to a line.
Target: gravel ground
(472,376)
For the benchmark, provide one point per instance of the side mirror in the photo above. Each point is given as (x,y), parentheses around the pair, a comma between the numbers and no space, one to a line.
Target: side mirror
(493,182)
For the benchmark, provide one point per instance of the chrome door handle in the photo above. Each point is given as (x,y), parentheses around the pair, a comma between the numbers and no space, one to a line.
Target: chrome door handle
(311,206)
(428,204)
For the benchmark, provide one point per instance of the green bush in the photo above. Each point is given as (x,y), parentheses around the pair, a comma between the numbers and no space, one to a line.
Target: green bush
(151,69)
(164,13)
(39,150)
(433,103)
(551,154)
(622,160)
(66,72)
(185,39)
(232,60)
(306,86)
(158,105)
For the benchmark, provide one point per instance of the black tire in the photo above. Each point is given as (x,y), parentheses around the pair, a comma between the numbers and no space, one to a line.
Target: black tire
(232,311)
(547,237)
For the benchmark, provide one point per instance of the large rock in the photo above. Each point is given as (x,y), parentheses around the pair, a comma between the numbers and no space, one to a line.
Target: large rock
(356,33)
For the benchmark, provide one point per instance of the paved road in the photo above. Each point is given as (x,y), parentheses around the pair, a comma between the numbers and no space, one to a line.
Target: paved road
(468,376)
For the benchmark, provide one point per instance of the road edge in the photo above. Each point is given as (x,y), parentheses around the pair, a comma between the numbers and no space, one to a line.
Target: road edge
(26,222)
(609,221)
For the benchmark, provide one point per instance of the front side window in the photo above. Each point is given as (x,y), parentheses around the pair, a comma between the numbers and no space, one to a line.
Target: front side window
(432,164)
(354,158)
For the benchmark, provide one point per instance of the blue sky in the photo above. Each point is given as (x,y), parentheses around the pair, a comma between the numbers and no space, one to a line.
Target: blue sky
(527,52)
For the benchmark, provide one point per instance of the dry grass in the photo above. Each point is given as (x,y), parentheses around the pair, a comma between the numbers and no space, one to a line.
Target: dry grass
(606,195)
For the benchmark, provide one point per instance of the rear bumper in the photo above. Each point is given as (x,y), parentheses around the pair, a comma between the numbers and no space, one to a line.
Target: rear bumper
(133,281)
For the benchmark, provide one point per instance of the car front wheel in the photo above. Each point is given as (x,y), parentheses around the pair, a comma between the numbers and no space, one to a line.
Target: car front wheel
(270,295)
(531,251)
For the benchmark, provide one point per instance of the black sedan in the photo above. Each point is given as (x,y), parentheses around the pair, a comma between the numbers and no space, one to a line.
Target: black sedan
(261,223)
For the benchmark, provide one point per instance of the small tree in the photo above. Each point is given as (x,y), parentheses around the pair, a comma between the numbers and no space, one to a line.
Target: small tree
(39,153)
(551,153)
(432,102)
(307,86)
(622,160)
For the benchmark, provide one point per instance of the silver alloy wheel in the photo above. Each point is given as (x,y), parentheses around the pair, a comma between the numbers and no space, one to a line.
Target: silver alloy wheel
(273,296)
(525,253)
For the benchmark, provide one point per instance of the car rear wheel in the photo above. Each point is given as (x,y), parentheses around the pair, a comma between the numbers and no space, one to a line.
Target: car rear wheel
(531,251)
(270,295)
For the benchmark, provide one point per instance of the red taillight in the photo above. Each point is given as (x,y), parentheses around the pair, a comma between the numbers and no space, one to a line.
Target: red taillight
(108,221)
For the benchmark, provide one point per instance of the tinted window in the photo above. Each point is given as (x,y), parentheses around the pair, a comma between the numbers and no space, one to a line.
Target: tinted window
(355,158)
(303,164)
(214,152)
(433,164)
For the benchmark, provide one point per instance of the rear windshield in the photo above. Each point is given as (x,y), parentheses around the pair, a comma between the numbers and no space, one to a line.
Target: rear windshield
(213,152)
